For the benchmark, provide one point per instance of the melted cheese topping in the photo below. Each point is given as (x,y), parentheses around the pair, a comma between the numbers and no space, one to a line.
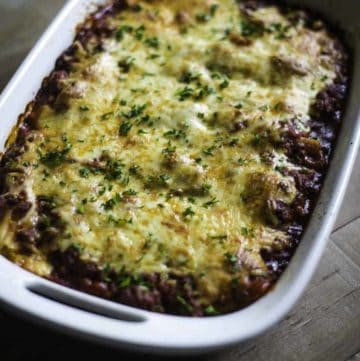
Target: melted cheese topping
(159,161)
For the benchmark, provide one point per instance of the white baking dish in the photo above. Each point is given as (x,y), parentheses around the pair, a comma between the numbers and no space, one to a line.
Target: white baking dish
(122,326)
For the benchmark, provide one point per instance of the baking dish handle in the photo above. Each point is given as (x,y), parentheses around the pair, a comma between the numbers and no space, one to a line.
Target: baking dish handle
(82,301)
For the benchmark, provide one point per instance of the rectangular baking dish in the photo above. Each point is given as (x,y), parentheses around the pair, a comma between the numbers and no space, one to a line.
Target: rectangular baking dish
(108,323)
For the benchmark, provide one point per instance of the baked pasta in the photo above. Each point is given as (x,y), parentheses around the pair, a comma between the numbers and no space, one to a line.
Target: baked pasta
(172,158)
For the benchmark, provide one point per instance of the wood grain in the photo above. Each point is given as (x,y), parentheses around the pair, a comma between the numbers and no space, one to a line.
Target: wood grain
(21,24)
(325,325)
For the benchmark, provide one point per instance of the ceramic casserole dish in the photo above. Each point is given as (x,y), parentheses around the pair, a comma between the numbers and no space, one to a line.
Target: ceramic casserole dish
(105,322)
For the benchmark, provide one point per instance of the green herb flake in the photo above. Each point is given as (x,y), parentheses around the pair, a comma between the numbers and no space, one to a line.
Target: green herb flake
(125,282)
(256,139)
(125,128)
(107,116)
(244,231)
(202,17)
(84,172)
(188,213)
(54,159)
(119,221)
(84,108)
(80,210)
(211,311)
(137,8)
(210,150)
(135,111)
(124,29)
(203,91)
(112,202)
(213,9)
(135,169)
(126,63)
(251,28)
(221,237)
(210,203)
(231,258)
(184,303)
(280,30)
(160,181)
(129,193)
(224,84)
(184,93)
(175,133)
(139,32)
(189,77)
(152,42)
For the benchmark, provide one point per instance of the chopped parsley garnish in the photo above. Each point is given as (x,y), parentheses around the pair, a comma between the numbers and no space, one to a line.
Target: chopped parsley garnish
(55,158)
(170,149)
(119,221)
(233,261)
(135,111)
(244,231)
(84,108)
(184,93)
(188,213)
(257,139)
(137,8)
(202,17)
(157,181)
(233,142)
(211,311)
(184,303)
(107,116)
(231,258)
(210,203)
(213,9)
(124,29)
(242,161)
(80,210)
(189,77)
(153,56)
(210,150)
(125,282)
(224,84)
(113,170)
(139,32)
(126,64)
(280,30)
(221,237)
(84,172)
(175,133)
(203,91)
(135,169)
(205,17)
(205,189)
(129,193)
(112,202)
(200,92)
(142,131)
(125,128)
(251,28)
(152,42)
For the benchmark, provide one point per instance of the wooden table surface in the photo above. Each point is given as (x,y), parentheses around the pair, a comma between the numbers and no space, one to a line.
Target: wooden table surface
(325,324)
